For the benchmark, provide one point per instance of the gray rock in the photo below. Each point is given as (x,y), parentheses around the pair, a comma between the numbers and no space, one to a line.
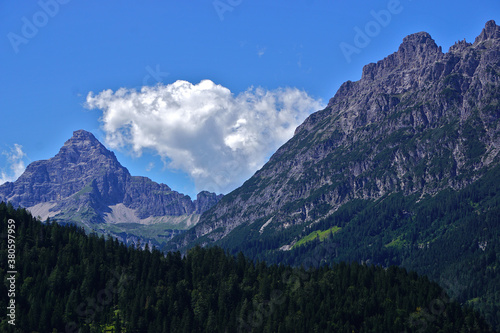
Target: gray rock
(85,179)
(417,122)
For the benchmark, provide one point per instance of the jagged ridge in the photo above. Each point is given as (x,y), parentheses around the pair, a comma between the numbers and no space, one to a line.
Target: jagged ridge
(418,121)
(84,182)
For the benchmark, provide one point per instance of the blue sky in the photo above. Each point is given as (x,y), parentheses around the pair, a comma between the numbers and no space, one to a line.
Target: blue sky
(209,89)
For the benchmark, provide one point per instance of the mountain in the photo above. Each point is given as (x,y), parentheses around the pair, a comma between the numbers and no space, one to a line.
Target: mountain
(75,282)
(402,167)
(85,184)
(418,121)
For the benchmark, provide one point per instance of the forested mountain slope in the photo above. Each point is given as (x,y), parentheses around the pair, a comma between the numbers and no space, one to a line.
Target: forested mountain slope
(418,122)
(68,281)
(85,184)
(401,167)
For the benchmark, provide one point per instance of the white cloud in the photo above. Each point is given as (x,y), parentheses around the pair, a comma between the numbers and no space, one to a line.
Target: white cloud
(15,160)
(218,138)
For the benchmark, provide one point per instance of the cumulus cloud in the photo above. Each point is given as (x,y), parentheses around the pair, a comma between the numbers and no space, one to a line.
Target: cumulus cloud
(220,139)
(15,160)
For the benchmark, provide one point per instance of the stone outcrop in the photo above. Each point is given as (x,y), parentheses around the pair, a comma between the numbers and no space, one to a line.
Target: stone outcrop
(417,122)
(85,181)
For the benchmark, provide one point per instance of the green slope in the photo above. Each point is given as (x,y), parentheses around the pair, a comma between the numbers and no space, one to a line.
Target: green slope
(70,282)
(453,237)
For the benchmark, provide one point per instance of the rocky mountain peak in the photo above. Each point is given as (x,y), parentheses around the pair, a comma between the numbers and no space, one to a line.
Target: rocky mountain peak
(82,147)
(418,43)
(82,138)
(416,50)
(205,200)
(491,31)
(83,135)
(417,46)
(85,183)
(419,121)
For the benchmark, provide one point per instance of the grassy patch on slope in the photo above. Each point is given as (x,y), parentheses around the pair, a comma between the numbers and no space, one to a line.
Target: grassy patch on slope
(317,234)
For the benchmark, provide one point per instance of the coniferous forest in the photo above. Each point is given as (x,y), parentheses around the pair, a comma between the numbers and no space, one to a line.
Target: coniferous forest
(68,281)
(452,238)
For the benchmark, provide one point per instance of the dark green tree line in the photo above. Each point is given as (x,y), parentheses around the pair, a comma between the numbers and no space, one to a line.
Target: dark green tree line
(68,281)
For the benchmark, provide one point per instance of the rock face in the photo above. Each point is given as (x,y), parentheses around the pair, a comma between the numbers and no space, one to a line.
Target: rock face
(85,183)
(417,122)
(205,200)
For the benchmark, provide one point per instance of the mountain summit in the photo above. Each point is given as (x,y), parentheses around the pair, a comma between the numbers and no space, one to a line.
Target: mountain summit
(401,168)
(85,183)
(418,122)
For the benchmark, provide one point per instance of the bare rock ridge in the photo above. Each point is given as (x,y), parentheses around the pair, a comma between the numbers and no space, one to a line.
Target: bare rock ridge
(84,182)
(490,32)
(417,49)
(417,122)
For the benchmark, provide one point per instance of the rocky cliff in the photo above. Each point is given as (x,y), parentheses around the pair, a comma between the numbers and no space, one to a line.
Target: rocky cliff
(417,122)
(85,183)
